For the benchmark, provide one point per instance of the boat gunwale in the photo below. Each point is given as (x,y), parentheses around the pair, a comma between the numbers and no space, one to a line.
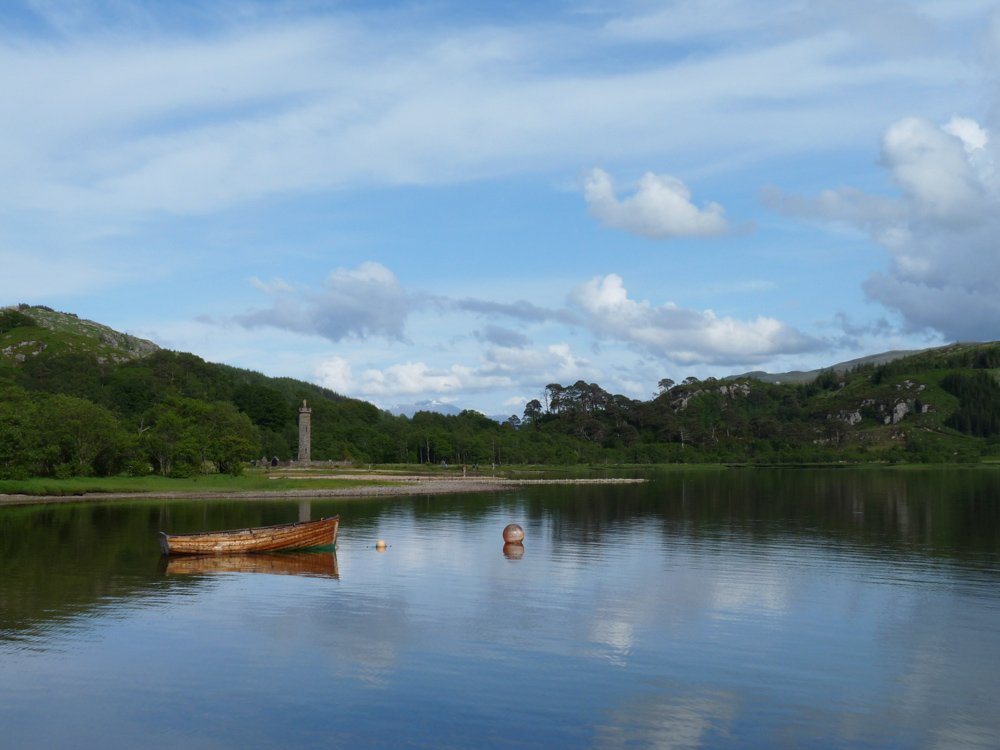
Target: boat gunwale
(250,529)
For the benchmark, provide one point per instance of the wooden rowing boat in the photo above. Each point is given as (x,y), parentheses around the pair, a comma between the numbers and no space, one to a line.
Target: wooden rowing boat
(322,533)
(309,564)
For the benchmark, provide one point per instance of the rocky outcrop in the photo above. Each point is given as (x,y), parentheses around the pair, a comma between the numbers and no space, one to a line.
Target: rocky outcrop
(890,412)
(681,403)
(726,391)
(20,352)
(851,417)
(901,408)
(738,389)
(127,343)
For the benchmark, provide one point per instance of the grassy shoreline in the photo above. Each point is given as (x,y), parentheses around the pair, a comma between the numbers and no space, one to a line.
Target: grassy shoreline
(153,485)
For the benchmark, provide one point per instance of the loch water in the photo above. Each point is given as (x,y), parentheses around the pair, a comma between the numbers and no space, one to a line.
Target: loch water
(702,609)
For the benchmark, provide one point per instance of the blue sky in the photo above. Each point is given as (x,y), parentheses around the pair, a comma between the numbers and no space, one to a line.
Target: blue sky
(409,201)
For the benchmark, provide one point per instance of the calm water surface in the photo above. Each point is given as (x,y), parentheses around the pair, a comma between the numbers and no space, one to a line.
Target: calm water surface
(703,609)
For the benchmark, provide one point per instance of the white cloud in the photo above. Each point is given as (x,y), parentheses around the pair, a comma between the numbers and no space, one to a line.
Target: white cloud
(681,334)
(973,137)
(368,301)
(554,363)
(932,169)
(660,208)
(940,232)
(498,368)
(276,286)
(335,374)
(412,377)
(409,379)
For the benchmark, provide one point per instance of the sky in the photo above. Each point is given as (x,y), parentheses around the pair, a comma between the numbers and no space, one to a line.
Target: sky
(465,202)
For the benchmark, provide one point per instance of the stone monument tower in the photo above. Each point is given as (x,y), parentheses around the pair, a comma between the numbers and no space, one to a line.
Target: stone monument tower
(305,434)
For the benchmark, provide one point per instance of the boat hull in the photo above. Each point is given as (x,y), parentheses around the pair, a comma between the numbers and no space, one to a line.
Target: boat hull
(322,533)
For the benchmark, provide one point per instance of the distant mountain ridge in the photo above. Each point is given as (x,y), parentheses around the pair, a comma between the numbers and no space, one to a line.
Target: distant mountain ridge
(804,376)
(408,410)
(438,407)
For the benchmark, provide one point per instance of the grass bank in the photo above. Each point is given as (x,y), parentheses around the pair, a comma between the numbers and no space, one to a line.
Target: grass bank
(157,484)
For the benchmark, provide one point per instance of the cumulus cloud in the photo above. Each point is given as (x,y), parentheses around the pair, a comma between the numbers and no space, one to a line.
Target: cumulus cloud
(602,307)
(940,231)
(410,378)
(681,334)
(368,301)
(932,167)
(497,368)
(660,208)
(554,363)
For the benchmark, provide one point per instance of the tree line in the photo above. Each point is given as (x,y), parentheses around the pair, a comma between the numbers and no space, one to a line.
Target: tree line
(65,412)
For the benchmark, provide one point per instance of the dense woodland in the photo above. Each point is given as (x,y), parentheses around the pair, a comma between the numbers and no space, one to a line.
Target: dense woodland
(67,410)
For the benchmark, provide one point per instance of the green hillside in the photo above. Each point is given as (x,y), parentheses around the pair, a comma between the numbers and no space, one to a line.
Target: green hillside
(79,399)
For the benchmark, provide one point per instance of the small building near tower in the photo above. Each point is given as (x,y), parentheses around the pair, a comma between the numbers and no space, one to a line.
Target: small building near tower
(305,434)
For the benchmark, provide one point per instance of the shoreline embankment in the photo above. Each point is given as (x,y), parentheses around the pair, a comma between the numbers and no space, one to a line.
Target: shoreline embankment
(403,486)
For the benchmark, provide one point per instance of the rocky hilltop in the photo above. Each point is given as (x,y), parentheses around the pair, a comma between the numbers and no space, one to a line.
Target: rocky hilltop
(75,335)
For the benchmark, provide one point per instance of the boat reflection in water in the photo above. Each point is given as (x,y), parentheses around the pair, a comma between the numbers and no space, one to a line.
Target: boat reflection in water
(310,564)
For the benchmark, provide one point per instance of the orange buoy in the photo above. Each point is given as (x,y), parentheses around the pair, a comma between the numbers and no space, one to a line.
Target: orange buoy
(380,545)
(513,534)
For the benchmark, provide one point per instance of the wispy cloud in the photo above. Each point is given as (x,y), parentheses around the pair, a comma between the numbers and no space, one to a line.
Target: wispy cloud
(504,337)
(520,310)
(151,119)
(368,301)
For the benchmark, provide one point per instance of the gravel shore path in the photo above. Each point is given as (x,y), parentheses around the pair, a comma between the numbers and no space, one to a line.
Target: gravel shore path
(396,486)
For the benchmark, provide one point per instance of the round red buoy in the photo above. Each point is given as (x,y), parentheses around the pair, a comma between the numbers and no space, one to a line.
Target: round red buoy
(513,534)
